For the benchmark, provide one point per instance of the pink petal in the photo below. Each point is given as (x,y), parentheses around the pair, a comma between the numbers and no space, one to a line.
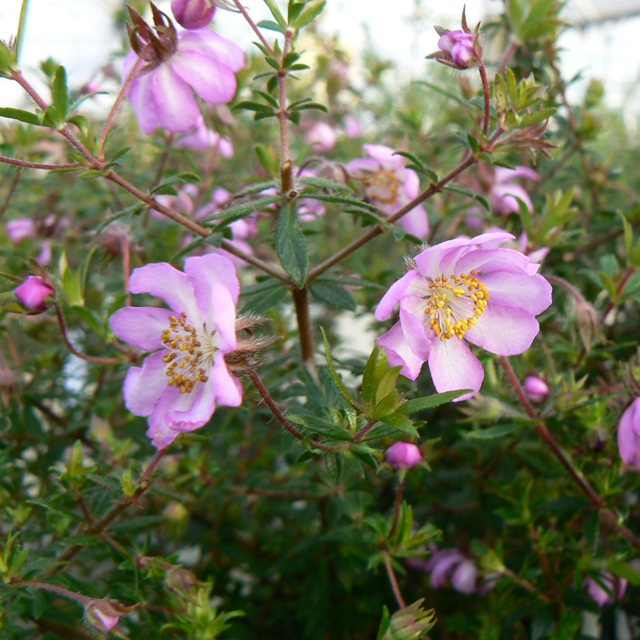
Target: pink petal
(176,108)
(164,281)
(141,327)
(506,331)
(212,81)
(197,412)
(463,579)
(453,367)
(629,434)
(393,296)
(205,270)
(143,387)
(407,345)
(227,386)
(416,222)
(214,46)
(384,155)
(514,290)
(488,260)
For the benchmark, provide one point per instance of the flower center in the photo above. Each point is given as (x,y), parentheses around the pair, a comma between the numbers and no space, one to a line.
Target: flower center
(189,353)
(455,303)
(382,185)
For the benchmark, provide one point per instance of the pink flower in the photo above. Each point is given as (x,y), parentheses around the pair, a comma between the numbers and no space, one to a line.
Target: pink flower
(629,434)
(504,194)
(606,589)
(180,384)
(452,564)
(322,136)
(202,139)
(536,389)
(390,185)
(178,64)
(21,229)
(193,14)
(33,292)
(403,455)
(353,127)
(459,290)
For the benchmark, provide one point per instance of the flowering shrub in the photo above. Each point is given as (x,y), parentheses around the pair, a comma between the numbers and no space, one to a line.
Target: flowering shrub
(219,297)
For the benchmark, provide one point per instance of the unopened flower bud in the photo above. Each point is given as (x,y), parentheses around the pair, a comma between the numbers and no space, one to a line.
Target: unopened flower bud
(403,455)
(32,293)
(629,434)
(536,389)
(102,615)
(193,14)
(459,45)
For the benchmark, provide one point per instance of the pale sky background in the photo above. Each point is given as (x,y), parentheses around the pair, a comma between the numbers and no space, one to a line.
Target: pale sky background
(80,33)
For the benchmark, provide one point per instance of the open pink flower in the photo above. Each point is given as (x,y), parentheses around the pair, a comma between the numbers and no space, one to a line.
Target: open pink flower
(177,65)
(629,434)
(460,291)
(183,380)
(504,193)
(390,185)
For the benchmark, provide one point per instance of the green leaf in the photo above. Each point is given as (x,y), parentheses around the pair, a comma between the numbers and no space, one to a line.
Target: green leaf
(334,374)
(54,508)
(495,432)
(309,15)
(263,302)
(428,402)
(275,12)
(290,244)
(402,423)
(20,115)
(333,295)
(242,209)
(317,424)
(271,26)
(61,93)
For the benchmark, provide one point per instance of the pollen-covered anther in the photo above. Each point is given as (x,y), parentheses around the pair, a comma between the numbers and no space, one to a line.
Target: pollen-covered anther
(383,185)
(455,304)
(186,357)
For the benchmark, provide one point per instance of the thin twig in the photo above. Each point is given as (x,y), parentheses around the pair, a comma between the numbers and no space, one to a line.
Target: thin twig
(294,431)
(393,581)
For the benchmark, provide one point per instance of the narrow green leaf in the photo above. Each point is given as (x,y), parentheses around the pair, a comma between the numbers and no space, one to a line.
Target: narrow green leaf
(21,115)
(270,25)
(61,93)
(428,402)
(335,296)
(334,374)
(310,15)
(275,12)
(290,244)
(54,508)
(495,432)
(263,302)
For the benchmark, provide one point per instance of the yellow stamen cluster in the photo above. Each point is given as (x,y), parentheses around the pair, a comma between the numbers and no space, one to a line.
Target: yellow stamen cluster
(383,185)
(455,304)
(184,355)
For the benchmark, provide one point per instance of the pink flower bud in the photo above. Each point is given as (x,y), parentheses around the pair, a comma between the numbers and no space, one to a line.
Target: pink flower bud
(403,455)
(536,389)
(460,47)
(629,434)
(101,615)
(193,14)
(32,293)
